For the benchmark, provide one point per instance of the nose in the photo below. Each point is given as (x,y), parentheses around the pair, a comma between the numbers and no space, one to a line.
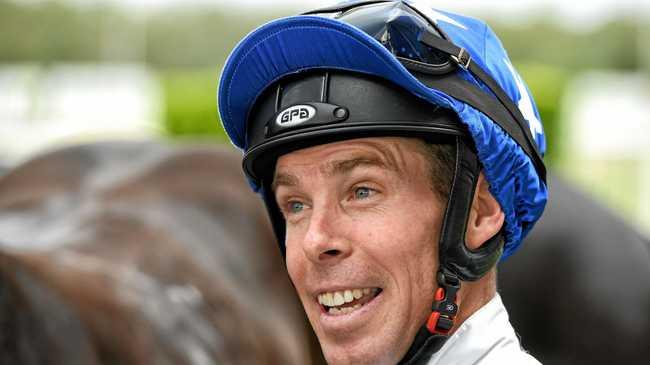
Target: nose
(325,241)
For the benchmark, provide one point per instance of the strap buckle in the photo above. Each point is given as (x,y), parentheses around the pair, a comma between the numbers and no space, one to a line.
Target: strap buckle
(463,58)
(445,308)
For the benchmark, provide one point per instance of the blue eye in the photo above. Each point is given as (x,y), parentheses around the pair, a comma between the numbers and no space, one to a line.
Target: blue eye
(362,192)
(296,207)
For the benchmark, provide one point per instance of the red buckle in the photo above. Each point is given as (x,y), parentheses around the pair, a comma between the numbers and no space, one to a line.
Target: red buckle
(444,308)
(432,324)
(433,321)
(440,295)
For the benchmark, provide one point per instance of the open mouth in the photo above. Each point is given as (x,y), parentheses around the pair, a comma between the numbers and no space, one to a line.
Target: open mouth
(346,301)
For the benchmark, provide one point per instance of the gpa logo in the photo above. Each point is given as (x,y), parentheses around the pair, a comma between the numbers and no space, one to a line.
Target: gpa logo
(295,115)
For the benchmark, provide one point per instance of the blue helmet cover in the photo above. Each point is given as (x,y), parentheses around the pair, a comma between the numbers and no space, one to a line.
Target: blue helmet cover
(298,43)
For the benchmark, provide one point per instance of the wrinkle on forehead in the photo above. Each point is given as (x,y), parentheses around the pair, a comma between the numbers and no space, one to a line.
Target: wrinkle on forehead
(386,152)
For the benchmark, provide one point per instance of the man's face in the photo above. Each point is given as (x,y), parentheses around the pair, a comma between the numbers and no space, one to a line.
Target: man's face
(361,243)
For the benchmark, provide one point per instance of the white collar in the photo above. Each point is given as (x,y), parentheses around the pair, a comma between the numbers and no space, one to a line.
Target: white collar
(485,337)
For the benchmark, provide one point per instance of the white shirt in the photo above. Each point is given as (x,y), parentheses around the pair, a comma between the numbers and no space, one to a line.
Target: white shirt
(486,337)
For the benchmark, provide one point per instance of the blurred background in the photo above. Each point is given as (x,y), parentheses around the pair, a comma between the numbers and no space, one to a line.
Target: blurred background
(83,70)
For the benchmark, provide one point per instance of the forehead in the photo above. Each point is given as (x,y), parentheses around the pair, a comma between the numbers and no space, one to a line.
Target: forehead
(390,153)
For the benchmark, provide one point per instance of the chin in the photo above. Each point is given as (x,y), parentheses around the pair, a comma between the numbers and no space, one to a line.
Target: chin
(359,354)
(375,348)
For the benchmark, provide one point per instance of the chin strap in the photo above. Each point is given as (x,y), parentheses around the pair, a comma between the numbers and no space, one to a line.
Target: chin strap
(457,262)
(431,337)
(444,308)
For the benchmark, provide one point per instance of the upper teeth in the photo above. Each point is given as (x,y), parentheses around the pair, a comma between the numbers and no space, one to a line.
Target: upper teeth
(337,298)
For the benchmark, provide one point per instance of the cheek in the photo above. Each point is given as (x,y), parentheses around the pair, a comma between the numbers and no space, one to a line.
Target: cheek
(412,238)
(295,265)
(416,233)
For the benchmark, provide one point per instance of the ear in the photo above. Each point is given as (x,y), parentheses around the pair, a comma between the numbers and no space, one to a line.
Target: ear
(485,216)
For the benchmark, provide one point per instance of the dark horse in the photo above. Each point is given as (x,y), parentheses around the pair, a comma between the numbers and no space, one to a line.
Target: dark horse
(579,290)
(139,253)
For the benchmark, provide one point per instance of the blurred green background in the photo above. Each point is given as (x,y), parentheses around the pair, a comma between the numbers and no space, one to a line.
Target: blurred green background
(179,49)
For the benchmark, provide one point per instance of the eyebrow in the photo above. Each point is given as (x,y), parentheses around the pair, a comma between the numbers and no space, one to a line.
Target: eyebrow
(342,167)
(283,179)
(346,166)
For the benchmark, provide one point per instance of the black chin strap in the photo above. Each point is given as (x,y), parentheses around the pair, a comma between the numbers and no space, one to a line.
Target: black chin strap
(432,336)
(457,262)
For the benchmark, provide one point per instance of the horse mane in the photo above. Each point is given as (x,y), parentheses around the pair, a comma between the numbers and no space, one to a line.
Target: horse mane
(134,253)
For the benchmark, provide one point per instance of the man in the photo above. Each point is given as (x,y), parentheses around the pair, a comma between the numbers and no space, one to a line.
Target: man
(399,155)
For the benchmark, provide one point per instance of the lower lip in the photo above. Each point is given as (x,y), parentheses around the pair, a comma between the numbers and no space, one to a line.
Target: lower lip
(330,321)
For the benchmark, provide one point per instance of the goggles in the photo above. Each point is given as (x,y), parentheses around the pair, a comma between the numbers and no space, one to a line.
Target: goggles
(408,30)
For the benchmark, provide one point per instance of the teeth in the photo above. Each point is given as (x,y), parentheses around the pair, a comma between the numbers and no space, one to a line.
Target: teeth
(337,298)
(347,295)
(344,310)
(327,300)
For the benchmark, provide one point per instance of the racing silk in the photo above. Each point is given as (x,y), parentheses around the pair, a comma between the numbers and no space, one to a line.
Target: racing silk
(486,337)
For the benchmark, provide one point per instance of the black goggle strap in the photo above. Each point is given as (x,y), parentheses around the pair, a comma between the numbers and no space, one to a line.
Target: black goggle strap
(464,60)
(343,6)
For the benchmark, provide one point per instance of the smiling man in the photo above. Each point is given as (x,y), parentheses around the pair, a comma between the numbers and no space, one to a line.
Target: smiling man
(399,155)
(362,220)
